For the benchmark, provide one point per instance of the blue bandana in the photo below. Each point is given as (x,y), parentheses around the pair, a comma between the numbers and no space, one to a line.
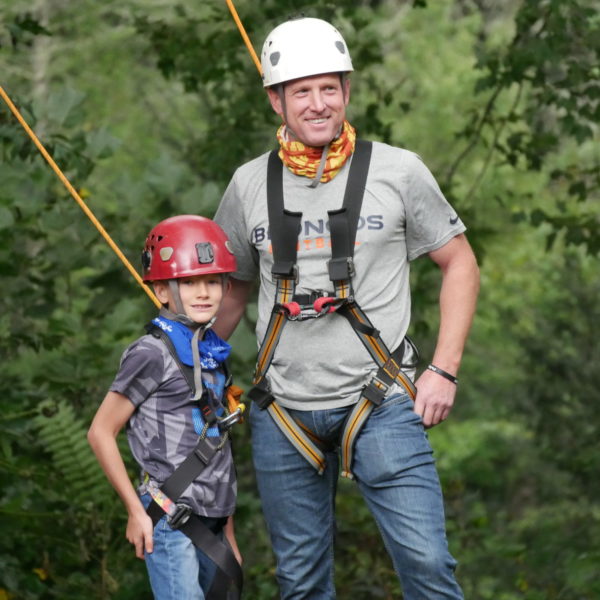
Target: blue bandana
(213,350)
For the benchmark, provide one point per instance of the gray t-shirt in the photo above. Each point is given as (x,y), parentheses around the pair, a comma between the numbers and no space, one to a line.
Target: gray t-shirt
(161,431)
(321,363)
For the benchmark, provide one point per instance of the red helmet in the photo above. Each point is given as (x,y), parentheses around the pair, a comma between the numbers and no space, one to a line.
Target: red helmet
(184,246)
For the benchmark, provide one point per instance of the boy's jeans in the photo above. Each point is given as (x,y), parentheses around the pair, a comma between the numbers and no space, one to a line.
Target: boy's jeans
(396,475)
(177,569)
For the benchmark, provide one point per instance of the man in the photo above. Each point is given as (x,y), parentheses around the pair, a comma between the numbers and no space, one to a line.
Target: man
(334,307)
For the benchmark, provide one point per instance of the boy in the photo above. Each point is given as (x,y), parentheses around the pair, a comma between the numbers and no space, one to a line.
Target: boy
(178,519)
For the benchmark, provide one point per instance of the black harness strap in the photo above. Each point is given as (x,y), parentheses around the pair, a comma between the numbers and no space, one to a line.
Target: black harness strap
(343,222)
(203,537)
(284,235)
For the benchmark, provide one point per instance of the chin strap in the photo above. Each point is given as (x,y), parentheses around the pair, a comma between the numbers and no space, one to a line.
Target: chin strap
(174,287)
(181,317)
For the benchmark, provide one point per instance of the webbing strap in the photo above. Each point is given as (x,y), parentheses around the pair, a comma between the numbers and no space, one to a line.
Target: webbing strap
(296,435)
(304,440)
(369,336)
(343,222)
(219,551)
(284,294)
(228,569)
(283,224)
(191,467)
(372,396)
(354,423)
(355,188)
(283,229)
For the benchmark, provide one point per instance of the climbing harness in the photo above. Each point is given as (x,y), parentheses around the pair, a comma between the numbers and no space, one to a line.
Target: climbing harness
(165,498)
(343,223)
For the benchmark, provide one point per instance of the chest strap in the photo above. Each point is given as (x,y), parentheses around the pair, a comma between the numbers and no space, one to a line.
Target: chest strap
(343,224)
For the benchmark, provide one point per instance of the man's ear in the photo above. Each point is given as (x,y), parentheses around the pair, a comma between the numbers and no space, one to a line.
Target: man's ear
(346,91)
(161,291)
(227,286)
(275,99)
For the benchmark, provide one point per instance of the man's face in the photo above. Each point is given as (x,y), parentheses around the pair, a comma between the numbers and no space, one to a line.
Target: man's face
(313,108)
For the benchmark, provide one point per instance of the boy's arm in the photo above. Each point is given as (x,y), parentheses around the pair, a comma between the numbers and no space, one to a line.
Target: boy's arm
(230,535)
(111,417)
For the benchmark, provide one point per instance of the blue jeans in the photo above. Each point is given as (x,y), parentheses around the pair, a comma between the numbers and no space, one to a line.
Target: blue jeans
(395,472)
(176,568)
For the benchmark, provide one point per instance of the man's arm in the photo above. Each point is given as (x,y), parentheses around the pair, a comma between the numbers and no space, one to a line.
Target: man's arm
(232,307)
(458,297)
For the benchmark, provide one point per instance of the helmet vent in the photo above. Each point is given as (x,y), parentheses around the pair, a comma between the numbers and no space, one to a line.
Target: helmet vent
(274,58)
(205,253)
(340,46)
(166,253)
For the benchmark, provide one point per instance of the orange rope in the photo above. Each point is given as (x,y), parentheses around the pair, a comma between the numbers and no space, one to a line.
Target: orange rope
(77,198)
(245,37)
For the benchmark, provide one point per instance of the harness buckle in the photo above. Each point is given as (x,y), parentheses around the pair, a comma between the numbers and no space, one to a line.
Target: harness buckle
(375,391)
(341,268)
(180,516)
(285,270)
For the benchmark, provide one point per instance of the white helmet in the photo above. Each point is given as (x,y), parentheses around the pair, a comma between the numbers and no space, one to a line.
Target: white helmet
(301,48)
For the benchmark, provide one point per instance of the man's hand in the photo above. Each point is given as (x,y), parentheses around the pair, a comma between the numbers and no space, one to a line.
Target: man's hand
(435,398)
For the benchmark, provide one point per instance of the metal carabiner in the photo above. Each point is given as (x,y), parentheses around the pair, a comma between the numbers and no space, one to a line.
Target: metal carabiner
(226,422)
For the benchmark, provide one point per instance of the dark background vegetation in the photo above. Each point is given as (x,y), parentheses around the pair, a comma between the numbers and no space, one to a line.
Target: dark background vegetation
(148,106)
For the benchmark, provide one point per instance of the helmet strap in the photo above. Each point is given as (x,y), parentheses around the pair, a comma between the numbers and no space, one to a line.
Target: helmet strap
(179,317)
(317,178)
(281,94)
(343,79)
(174,287)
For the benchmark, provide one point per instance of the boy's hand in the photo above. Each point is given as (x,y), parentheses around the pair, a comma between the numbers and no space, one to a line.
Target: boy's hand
(139,533)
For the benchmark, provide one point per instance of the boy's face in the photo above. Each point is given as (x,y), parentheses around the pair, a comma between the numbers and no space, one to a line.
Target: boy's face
(201,296)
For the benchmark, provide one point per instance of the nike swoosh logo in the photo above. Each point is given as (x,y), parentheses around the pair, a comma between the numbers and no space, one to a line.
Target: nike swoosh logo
(454,221)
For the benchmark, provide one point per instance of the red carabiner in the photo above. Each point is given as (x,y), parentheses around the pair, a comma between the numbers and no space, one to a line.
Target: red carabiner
(292,309)
(325,304)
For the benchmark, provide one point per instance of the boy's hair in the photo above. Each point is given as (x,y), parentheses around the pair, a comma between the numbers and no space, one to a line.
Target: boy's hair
(184,246)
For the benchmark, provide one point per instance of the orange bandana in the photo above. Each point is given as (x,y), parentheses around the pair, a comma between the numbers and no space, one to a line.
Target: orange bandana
(304,160)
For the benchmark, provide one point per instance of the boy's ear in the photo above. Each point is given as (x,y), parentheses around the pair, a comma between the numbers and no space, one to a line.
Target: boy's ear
(161,291)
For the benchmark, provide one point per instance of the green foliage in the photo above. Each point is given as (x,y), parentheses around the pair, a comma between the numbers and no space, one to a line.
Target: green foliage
(148,107)
(550,71)
(63,436)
